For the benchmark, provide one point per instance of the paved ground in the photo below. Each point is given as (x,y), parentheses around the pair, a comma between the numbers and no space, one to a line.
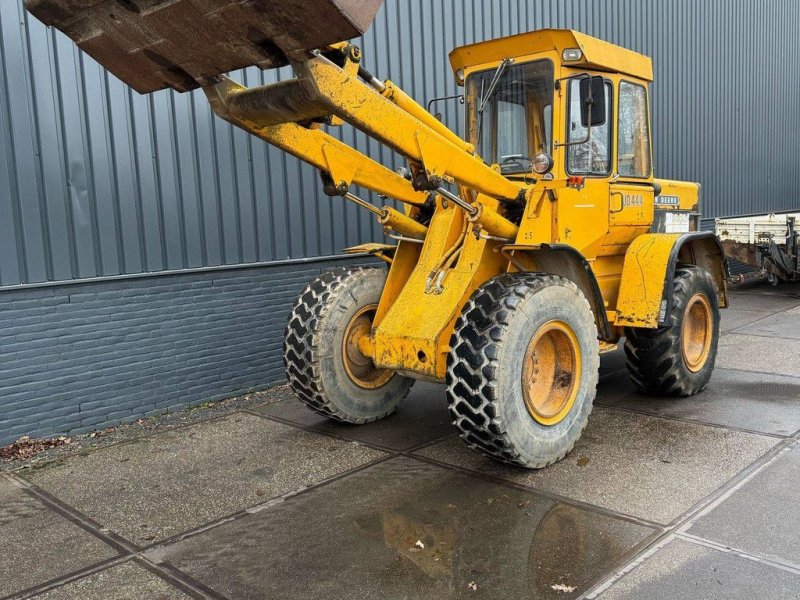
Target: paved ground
(693,498)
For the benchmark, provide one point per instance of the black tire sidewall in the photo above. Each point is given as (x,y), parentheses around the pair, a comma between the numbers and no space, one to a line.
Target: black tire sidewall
(536,442)
(699,281)
(362,288)
(655,356)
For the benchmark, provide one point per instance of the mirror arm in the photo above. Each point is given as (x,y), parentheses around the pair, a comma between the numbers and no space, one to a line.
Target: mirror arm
(578,142)
(433,101)
(588,115)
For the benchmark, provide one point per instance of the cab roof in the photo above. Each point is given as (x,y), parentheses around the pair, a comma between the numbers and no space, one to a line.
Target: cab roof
(597,54)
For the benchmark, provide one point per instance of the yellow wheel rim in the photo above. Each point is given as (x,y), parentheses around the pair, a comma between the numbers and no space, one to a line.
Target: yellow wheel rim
(697,332)
(551,372)
(361,369)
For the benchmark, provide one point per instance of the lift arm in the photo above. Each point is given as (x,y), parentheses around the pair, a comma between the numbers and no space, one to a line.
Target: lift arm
(153,44)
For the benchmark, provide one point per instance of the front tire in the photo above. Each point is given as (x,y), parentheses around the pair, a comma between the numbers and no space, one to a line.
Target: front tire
(678,359)
(523,367)
(323,364)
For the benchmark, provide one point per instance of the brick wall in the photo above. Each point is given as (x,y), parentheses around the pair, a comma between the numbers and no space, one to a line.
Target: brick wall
(74,358)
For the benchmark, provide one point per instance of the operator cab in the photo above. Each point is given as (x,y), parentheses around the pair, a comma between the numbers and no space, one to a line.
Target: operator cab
(550,103)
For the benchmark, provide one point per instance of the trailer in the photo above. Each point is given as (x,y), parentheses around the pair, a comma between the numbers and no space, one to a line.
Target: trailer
(768,244)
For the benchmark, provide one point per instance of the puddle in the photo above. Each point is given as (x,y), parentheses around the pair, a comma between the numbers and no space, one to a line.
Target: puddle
(406,529)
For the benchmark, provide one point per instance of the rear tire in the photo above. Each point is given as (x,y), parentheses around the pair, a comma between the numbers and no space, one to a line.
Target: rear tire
(323,366)
(678,359)
(522,369)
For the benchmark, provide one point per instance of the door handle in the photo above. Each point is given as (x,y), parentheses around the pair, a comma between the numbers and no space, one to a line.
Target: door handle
(621,202)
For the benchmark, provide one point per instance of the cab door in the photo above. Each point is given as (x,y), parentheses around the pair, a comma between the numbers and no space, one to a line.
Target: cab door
(588,163)
(631,195)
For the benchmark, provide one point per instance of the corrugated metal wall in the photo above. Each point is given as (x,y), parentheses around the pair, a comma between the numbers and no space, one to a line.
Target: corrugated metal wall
(96,180)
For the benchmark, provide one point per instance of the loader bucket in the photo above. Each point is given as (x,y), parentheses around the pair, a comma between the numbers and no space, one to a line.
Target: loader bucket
(185,44)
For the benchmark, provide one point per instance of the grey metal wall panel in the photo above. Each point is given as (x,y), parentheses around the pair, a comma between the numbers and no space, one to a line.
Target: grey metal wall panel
(97,180)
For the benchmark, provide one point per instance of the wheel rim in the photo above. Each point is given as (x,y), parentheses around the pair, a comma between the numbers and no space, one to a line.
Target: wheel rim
(697,332)
(551,372)
(361,369)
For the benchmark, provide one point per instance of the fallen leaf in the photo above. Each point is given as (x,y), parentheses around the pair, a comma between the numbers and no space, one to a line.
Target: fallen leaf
(25,447)
(583,461)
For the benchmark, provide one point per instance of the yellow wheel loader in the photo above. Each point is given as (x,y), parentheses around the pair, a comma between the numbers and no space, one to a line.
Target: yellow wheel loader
(524,249)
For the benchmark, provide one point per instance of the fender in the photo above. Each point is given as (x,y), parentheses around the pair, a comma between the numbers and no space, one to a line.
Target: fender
(645,290)
(568,262)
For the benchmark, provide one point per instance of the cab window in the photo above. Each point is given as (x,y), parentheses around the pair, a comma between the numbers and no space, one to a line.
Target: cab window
(510,113)
(633,143)
(592,157)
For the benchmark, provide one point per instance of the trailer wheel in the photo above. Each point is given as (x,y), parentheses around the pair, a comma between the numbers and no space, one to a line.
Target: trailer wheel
(522,369)
(677,359)
(324,366)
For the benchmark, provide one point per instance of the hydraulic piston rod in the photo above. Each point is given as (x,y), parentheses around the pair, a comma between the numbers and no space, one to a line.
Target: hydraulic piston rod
(392,219)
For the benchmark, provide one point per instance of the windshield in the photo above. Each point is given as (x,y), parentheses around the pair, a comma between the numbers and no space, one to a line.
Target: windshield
(510,113)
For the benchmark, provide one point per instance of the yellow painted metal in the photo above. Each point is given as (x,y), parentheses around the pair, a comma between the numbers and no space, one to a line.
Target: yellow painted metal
(369,111)
(495,225)
(642,286)
(318,148)
(408,104)
(551,372)
(499,221)
(359,366)
(397,221)
(697,332)
(413,325)
(595,54)
(687,193)
(383,251)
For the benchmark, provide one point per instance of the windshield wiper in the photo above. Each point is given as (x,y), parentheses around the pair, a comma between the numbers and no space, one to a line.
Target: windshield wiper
(487,95)
(493,84)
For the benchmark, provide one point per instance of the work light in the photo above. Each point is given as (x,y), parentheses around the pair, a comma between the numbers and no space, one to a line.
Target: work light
(542,163)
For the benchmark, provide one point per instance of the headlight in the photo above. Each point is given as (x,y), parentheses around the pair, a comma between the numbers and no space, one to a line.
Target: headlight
(542,163)
(460,75)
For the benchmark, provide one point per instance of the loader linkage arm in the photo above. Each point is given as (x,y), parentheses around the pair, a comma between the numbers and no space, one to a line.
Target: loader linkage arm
(289,116)
(182,44)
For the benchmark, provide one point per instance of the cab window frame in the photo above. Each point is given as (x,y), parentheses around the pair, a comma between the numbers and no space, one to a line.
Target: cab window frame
(647,130)
(468,113)
(610,121)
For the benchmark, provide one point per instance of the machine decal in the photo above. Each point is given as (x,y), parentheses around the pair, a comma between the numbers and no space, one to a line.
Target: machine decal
(632,200)
(667,201)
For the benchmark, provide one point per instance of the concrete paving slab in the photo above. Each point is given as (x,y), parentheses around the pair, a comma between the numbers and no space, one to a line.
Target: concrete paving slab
(761,517)
(760,402)
(160,486)
(762,300)
(782,325)
(127,581)
(686,570)
(407,529)
(37,545)
(421,417)
(757,353)
(635,464)
(785,288)
(732,318)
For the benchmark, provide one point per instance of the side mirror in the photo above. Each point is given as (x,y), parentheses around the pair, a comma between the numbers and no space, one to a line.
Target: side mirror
(593,101)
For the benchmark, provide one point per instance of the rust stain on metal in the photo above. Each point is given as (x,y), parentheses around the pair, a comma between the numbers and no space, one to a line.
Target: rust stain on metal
(185,44)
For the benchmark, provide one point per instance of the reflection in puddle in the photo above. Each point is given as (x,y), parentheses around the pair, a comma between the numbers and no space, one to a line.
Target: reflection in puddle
(531,546)
(406,529)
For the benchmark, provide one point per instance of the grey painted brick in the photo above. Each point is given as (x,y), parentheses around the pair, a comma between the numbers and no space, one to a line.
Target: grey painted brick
(95,354)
